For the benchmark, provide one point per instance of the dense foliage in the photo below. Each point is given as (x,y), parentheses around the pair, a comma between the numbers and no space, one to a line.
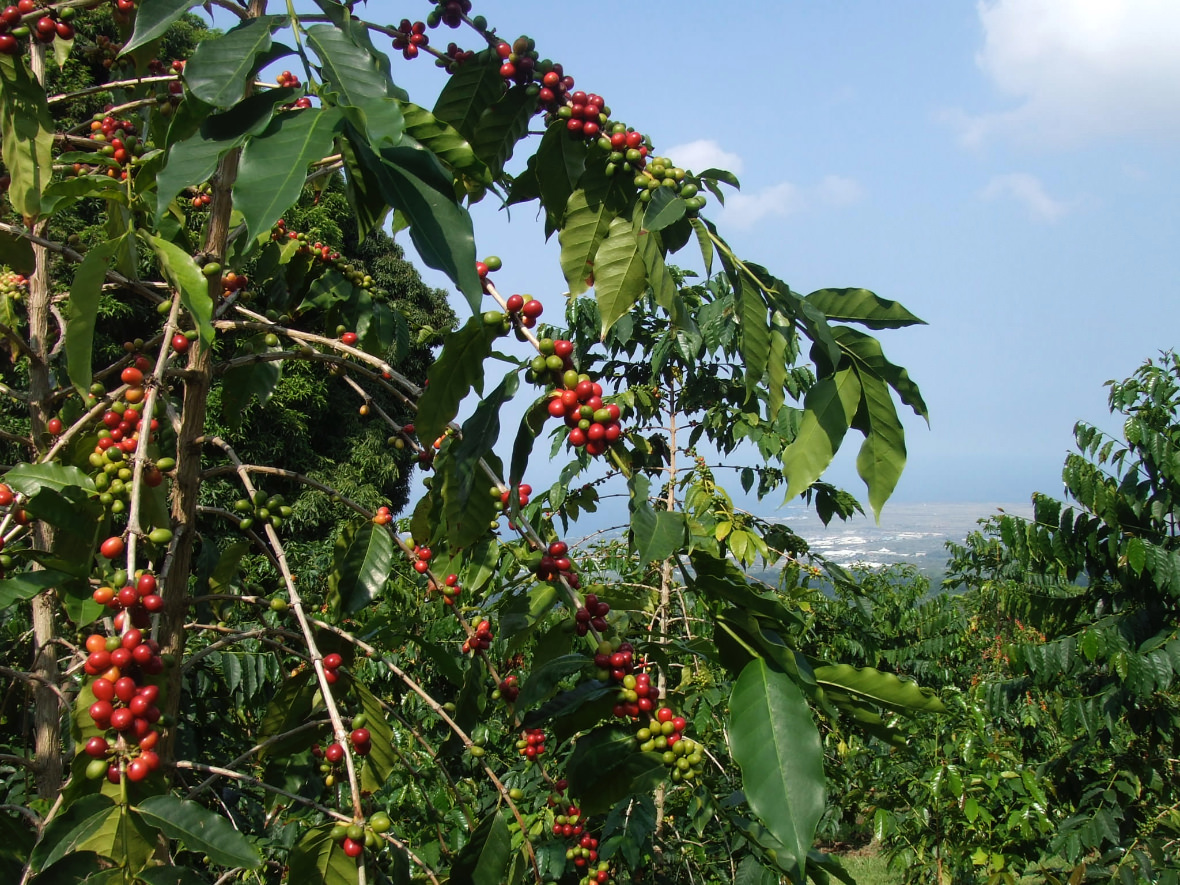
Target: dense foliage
(241,667)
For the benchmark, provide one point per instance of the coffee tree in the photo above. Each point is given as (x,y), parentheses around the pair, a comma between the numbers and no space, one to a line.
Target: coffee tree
(463,695)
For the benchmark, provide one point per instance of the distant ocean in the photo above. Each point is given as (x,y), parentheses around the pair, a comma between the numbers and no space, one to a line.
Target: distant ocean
(913,533)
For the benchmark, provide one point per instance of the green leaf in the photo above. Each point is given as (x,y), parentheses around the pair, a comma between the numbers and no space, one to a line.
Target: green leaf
(829,408)
(665,208)
(1136,555)
(363,561)
(607,765)
(530,428)
(185,276)
(274,164)
(74,822)
(354,78)
(654,536)
(882,456)
(68,192)
(382,761)
(619,273)
(85,291)
(864,307)
(256,380)
(201,830)
(445,142)
(885,689)
(501,126)
(26,138)
(17,253)
(705,243)
(582,232)
(73,869)
(116,833)
(866,352)
(413,182)
(30,479)
(152,19)
(316,859)
(483,860)
(458,369)
(544,679)
(28,584)
(289,707)
(775,742)
(474,87)
(560,162)
(755,340)
(221,67)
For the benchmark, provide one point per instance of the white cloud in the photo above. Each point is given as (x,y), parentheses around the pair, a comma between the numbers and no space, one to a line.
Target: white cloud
(1081,69)
(698,156)
(1027,190)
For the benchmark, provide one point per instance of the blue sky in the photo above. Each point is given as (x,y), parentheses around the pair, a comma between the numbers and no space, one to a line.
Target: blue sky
(1007,169)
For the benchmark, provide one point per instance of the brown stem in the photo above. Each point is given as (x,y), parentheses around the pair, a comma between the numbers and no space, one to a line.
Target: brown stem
(666,583)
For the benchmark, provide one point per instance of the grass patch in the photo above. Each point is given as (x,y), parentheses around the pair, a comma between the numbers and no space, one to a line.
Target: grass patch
(869,868)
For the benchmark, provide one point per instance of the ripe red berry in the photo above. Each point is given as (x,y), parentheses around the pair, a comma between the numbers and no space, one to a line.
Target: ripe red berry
(532,309)
(180,343)
(352,847)
(332,661)
(334,753)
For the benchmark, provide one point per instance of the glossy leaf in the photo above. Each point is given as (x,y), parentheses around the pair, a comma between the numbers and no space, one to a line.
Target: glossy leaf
(316,859)
(363,561)
(864,307)
(560,162)
(458,369)
(501,126)
(829,408)
(247,382)
(170,876)
(445,142)
(199,829)
(664,209)
(26,585)
(775,742)
(474,87)
(152,19)
(185,276)
(274,164)
(607,765)
(17,253)
(85,291)
(26,136)
(353,78)
(545,677)
(289,707)
(619,273)
(882,456)
(382,760)
(29,479)
(882,688)
(585,227)
(483,860)
(655,536)
(221,66)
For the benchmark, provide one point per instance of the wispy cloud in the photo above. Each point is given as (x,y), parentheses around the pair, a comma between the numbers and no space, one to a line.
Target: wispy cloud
(1079,69)
(1027,190)
(698,156)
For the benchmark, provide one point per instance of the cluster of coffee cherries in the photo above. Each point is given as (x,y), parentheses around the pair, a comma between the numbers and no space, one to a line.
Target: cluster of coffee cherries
(287,79)
(591,422)
(53,25)
(508,690)
(491,264)
(137,601)
(7,500)
(203,196)
(592,614)
(664,734)
(523,495)
(532,743)
(451,589)
(453,57)
(481,640)
(518,60)
(262,509)
(118,140)
(332,663)
(585,116)
(13,285)
(449,13)
(124,707)
(324,254)
(556,564)
(422,556)
(524,308)
(663,174)
(410,37)
(354,838)
(383,516)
